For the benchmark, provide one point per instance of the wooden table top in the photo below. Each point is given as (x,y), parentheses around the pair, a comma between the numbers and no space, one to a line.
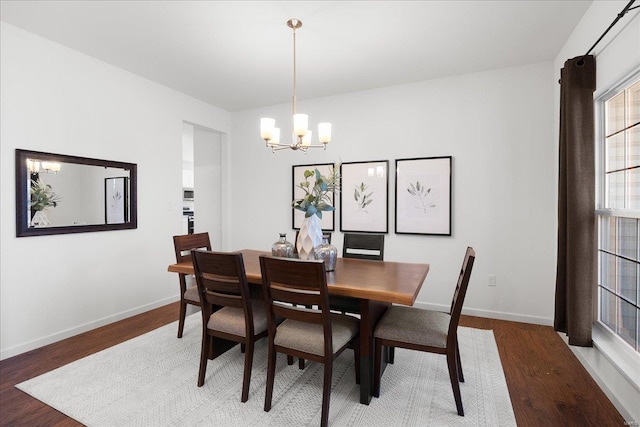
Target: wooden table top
(385,281)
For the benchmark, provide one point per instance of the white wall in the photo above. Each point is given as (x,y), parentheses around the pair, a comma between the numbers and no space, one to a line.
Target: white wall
(617,55)
(497,125)
(208,172)
(54,99)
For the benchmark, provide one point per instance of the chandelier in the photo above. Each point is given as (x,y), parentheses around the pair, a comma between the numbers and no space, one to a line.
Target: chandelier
(301,133)
(37,166)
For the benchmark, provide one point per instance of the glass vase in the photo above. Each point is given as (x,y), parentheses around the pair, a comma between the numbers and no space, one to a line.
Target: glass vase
(282,248)
(327,253)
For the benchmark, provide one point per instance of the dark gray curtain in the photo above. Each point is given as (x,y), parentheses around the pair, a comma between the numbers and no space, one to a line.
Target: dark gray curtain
(577,245)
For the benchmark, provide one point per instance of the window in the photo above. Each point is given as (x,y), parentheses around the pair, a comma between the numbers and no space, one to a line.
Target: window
(619,211)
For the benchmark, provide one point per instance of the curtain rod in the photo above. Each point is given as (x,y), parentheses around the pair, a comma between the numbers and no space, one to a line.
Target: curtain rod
(626,9)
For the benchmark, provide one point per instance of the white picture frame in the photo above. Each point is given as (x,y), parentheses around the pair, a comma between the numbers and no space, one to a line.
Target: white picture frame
(116,193)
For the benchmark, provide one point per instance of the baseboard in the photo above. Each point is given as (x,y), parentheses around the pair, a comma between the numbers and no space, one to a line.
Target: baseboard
(615,382)
(500,315)
(41,342)
(50,339)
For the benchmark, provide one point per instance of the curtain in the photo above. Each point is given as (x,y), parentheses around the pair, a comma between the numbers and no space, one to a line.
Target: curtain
(577,235)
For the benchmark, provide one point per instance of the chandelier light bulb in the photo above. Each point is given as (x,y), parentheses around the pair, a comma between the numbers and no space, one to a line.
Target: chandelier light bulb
(300,124)
(266,128)
(324,132)
(275,137)
(306,139)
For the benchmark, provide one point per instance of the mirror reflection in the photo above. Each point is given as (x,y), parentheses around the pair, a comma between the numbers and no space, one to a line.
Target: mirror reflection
(71,194)
(65,194)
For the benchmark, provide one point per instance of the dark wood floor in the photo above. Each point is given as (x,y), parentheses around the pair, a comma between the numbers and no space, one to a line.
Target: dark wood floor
(547,384)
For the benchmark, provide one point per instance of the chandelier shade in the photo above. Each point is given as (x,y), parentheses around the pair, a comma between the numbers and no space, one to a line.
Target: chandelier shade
(301,133)
(38,166)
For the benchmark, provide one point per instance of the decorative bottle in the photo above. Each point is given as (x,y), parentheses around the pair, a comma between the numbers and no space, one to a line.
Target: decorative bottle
(282,248)
(327,253)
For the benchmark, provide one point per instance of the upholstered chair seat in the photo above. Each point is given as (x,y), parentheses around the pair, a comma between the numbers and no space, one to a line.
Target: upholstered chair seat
(192,295)
(406,324)
(231,319)
(309,337)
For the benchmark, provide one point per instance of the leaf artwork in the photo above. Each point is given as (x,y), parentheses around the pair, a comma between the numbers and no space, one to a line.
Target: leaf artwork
(361,197)
(117,197)
(421,193)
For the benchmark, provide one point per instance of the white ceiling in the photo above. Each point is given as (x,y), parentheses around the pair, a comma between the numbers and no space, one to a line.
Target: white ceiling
(238,54)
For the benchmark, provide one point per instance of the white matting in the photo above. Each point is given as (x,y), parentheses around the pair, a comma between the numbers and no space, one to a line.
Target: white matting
(151,381)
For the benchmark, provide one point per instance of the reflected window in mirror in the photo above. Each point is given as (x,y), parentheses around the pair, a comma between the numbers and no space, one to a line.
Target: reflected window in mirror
(59,194)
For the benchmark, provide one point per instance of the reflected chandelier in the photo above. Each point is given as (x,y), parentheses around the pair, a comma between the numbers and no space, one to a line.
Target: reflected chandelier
(38,166)
(301,133)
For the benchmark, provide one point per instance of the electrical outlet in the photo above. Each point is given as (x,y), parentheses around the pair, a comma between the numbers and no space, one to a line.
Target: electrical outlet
(491,280)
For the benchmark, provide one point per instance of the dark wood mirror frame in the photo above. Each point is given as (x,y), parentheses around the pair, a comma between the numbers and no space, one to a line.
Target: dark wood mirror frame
(22,203)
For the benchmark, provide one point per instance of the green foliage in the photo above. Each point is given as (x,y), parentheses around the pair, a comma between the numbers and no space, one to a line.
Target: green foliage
(362,198)
(42,196)
(317,198)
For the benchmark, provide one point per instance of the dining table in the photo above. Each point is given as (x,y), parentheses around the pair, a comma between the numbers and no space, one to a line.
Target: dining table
(369,286)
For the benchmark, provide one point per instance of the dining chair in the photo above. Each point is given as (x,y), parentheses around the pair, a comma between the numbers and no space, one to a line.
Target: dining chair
(296,290)
(363,246)
(359,246)
(228,311)
(425,330)
(325,235)
(183,245)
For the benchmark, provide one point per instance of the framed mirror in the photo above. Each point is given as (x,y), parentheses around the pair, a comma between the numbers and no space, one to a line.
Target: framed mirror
(60,194)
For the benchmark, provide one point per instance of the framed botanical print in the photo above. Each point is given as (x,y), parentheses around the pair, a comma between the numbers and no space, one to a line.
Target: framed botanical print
(423,196)
(297,216)
(116,200)
(364,197)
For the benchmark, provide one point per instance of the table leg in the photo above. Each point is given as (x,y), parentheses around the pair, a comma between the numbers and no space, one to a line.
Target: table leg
(370,312)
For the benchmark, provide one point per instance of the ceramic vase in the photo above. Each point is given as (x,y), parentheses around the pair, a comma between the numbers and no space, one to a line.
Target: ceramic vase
(309,237)
(39,219)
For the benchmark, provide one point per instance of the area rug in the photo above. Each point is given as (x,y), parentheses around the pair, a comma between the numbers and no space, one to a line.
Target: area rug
(151,381)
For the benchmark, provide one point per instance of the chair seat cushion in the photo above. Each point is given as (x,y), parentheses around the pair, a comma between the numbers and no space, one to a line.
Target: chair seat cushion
(309,337)
(191,294)
(414,325)
(231,319)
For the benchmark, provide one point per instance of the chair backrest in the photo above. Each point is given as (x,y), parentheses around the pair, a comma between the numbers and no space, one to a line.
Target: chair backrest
(222,281)
(363,246)
(290,286)
(461,289)
(184,244)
